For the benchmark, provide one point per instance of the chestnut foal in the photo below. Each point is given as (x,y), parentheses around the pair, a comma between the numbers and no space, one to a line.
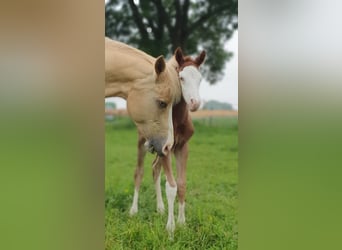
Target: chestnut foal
(190,79)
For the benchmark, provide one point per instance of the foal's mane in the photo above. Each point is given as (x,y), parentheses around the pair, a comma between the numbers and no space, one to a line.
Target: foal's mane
(185,61)
(188,61)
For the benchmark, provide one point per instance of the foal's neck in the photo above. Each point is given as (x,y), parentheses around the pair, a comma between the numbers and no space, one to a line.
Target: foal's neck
(180,112)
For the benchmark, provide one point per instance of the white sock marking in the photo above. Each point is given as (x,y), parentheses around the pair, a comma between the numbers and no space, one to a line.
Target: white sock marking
(171,193)
(181,213)
(160,203)
(134,208)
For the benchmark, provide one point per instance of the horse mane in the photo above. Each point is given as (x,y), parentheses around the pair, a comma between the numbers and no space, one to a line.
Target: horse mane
(130,51)
(173,72)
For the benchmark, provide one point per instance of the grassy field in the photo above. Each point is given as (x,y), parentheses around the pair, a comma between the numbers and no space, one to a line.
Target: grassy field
(211,199)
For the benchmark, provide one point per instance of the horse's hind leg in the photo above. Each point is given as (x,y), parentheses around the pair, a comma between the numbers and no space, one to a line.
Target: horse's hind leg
(138,175)
(171,191)
(156,165)
(181,155)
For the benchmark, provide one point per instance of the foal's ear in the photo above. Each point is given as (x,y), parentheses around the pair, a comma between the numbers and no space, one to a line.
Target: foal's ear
(199,60)
(159,65)
(179,56)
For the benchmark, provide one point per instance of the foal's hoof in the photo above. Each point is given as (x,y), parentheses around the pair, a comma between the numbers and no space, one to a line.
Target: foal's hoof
(181,220)
(161,209)
(133,211)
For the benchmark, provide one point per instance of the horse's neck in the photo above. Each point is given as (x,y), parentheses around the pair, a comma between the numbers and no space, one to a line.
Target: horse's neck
(115,89)
(122,81)
(119,86)
(125,67)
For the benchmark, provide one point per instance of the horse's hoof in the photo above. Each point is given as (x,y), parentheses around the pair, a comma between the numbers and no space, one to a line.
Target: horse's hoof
(170,227)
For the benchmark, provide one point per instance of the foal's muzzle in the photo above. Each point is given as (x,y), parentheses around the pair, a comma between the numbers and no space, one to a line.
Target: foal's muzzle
(194,104)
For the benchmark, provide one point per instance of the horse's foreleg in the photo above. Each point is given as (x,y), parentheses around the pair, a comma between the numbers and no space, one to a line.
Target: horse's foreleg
(138,175)
(156,165)
(181,155)
(171,191)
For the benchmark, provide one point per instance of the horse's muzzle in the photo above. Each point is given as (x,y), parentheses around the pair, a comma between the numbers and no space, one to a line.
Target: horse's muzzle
(157,146)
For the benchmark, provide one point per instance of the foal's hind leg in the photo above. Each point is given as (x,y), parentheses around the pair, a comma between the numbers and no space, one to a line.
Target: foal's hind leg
(156,165)
(181,155)
(139,172)
(171,191)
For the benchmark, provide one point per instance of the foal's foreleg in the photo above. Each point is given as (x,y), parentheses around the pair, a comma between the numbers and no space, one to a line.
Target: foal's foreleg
(181,155)
(138,175)
(156,165)
(171,191)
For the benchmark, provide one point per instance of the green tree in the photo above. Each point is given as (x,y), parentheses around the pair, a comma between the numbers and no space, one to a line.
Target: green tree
(160,26)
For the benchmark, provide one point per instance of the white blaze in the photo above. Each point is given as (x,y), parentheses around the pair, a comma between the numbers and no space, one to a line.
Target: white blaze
(190,79)
(134,208)
(171,193)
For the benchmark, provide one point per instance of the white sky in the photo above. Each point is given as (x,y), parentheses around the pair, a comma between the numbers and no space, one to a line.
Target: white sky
(225,90)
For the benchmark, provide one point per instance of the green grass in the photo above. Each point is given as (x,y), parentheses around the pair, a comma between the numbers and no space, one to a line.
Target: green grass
(211,198)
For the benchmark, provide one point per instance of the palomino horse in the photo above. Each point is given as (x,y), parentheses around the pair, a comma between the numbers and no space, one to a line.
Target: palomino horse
(190,78)
(151,86)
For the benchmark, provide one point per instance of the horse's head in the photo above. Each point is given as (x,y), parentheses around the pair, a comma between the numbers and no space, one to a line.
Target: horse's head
(150,106)
(190,77)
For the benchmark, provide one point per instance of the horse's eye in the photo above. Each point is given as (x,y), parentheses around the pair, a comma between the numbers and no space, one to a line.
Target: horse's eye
(162,104)
(181,78)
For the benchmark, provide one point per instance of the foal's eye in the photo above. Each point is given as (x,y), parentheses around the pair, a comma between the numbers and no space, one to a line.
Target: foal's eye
(162,104)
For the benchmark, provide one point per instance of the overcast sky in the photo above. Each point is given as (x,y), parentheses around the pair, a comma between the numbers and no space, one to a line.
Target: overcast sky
(227,89)
(224,91)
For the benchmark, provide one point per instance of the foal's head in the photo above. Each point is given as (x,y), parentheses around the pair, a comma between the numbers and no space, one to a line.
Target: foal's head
(190,77)
(150,103)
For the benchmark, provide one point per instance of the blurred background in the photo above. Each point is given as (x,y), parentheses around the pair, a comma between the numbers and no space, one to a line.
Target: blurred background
(158,27)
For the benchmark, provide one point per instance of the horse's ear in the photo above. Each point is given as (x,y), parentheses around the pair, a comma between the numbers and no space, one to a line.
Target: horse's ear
(159,65)
(199,60)
(179,56)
